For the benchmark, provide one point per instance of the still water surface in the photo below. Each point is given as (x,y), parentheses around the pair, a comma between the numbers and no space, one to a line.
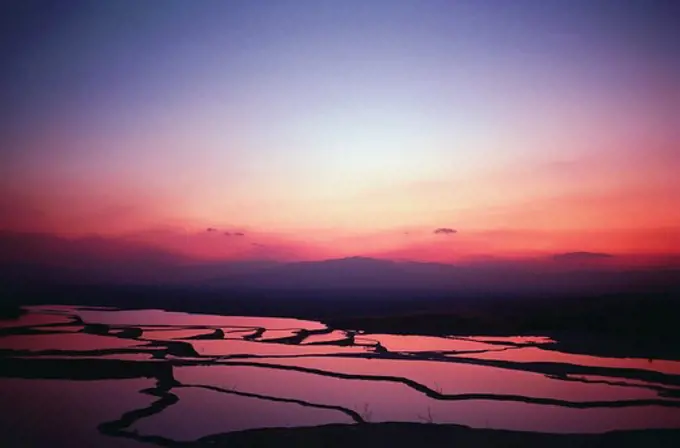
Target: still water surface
(118,378)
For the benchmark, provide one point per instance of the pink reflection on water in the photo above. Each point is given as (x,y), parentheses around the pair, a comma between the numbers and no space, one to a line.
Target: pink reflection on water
(65,341)
(276,334)
(64,329)
(239,330)
(633,382)
(453,378)
(66,413)
(335,335)
(386,401)
(401,343)
(535,354)
(30,319)
(221,412)
(241,347)
(164,335)
(160,317)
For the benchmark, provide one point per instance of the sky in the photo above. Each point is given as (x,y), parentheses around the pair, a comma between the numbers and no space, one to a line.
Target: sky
(320,129)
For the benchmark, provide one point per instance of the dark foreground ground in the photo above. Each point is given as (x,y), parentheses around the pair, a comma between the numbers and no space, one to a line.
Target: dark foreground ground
(429,435)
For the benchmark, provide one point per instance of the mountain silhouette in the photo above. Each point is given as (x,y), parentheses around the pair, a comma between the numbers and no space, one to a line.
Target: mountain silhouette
(31,258)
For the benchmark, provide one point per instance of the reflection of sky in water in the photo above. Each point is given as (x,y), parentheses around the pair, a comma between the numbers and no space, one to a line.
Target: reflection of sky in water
(224,412)
(633,382)
(399,343)
(63,413)
(65,341)
(474,413)
(276,334)
(240,347)
(449,378)
(373,386)
(60,329)
(159,317)
(335,335)
(34,319)
(164,335)
(534,354)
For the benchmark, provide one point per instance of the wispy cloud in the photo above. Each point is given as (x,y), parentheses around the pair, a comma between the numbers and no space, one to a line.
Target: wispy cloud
(582,256)
(234,234)
(445,231)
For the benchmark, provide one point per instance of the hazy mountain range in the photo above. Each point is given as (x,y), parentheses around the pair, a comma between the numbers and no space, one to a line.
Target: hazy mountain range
(30,258)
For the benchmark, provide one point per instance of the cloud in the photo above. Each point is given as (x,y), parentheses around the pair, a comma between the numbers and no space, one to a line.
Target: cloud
(229,234)
(582,256)
(444,231)
(211,229)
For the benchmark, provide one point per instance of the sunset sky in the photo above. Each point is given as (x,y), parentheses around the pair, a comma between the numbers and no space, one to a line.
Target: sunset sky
(322,128)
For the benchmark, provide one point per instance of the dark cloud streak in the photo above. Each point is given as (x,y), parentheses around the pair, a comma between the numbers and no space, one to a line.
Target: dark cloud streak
(582,256)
